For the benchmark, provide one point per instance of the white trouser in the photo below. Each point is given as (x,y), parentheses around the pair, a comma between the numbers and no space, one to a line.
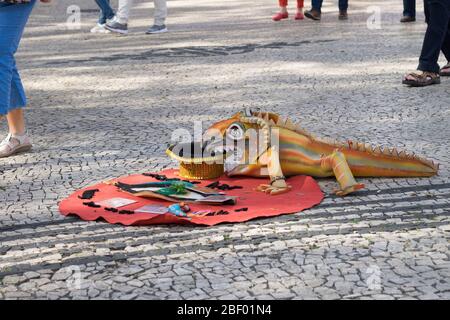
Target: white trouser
(123,12)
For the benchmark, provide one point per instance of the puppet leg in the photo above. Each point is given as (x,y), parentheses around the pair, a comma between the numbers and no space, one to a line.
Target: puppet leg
(278,183)
(338,163)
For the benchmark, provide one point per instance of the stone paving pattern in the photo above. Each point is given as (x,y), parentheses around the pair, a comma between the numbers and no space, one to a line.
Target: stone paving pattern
(103,106)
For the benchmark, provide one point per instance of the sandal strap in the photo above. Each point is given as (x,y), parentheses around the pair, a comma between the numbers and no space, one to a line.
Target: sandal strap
(9,143)
(424,75)
(432,75)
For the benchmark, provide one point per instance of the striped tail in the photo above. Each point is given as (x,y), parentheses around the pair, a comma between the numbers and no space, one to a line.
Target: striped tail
(366,161)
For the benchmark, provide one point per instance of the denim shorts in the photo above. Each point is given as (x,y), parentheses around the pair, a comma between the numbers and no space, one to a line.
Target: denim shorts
(13,18)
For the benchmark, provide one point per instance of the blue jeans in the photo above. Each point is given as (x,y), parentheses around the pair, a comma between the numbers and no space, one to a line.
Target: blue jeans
(13,18)
(437,36)
(409,8)
(317,5)
(106,12)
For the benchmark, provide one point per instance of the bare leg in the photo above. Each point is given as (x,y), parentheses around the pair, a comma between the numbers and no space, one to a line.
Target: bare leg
(338,163)
(16,122)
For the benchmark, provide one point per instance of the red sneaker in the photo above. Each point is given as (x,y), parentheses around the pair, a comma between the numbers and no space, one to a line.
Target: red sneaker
(279,16)
(299,16)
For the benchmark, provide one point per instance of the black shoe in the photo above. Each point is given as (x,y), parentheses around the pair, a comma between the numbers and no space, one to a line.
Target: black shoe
(343,15)
(405,19)
(313,14)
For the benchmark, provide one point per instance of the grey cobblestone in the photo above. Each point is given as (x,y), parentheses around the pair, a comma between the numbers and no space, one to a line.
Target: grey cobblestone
(390,241)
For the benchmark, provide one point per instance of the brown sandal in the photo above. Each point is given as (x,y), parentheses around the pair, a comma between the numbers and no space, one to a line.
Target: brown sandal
(423,79)
(445,70)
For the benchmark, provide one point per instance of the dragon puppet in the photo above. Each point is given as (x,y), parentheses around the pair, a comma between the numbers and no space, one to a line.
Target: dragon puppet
(285,149)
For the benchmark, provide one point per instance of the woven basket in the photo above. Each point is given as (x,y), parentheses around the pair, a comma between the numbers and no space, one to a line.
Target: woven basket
(198,167)
(200,171)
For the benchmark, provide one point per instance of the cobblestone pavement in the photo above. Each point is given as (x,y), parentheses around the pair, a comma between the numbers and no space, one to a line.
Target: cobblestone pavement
(103,106)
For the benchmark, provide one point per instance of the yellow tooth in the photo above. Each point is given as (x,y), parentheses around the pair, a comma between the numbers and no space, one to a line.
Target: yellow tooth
(395,152)
(360,146)
(289,124)
(377,150)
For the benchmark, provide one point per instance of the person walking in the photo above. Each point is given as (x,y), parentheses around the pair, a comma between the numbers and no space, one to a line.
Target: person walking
(119,23)
(437,38)
(14,15)
(283,14)
(316,11)
(409,11)
(106,14)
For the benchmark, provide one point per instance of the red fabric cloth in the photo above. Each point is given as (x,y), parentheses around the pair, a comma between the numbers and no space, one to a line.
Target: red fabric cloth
(284,3)
(305,194)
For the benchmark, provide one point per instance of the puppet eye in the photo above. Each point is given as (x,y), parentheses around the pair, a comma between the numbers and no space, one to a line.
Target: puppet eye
(235,132)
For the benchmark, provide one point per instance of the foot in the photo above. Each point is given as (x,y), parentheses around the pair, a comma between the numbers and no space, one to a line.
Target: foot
(12,145)
(406,19)
(299,16)
(272,190)
(350,189)
(445,71)
(276,187)
(157,29)
(313,14)
(421,79)
(280,15)
(99,28)
(115,26)
(343,15)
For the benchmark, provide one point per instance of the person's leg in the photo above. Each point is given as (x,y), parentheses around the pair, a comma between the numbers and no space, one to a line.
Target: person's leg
(106,12)
(120,22)
(343,5)
(6,62)
(8,43)
(438,21)
(446,44)
(160,17)
(317,5)
(160,12)
(13,19)
(123,11)
(409,8)
(18,100)
(315,12)
(17,139)
(283,14)
(16,122)
(283,5)
(299,15)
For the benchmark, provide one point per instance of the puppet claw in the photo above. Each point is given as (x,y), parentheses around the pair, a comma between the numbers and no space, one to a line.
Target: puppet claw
(350,189)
